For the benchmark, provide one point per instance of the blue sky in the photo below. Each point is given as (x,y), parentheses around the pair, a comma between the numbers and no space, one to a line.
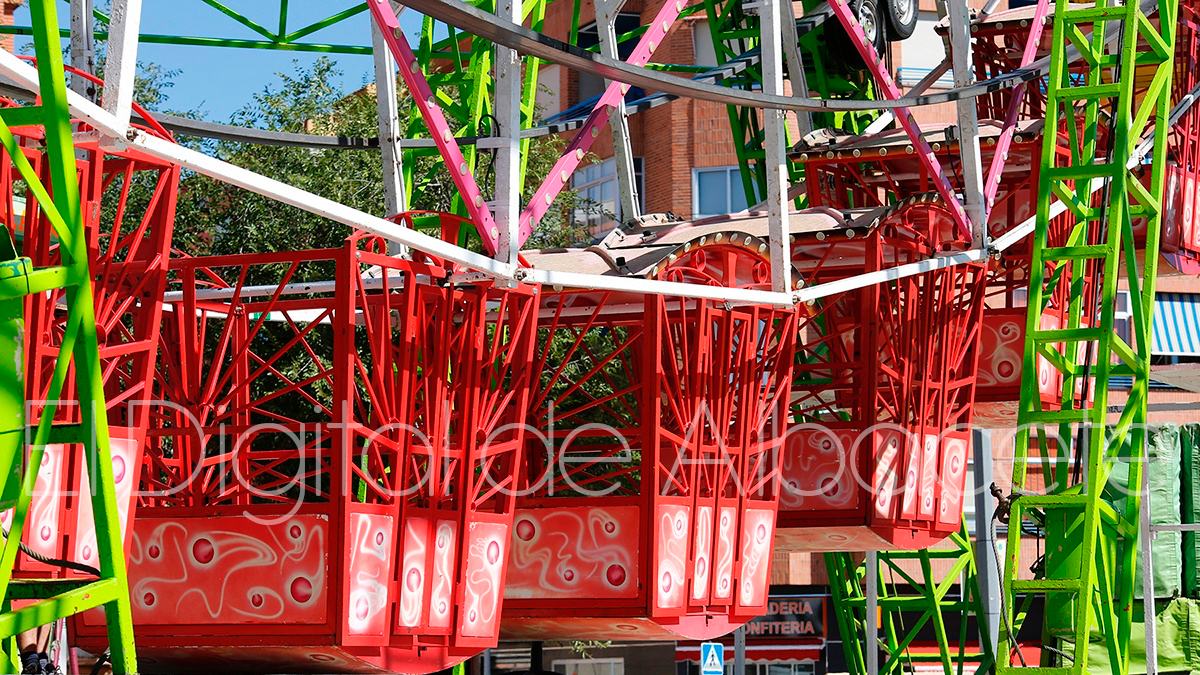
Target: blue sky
(217,81)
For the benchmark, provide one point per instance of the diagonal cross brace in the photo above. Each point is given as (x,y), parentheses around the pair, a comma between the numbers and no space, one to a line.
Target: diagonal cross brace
(891,90)
(582,142)
(995,171)
(431,112)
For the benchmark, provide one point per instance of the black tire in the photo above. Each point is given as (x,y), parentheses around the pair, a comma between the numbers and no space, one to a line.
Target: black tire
(838,42)
(901,18)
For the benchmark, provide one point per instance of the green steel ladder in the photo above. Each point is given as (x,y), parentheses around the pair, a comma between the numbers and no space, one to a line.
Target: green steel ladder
(28,603)
(914,600)
(1086,577)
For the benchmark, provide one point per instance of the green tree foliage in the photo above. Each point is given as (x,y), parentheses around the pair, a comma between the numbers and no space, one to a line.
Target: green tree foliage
(217,218)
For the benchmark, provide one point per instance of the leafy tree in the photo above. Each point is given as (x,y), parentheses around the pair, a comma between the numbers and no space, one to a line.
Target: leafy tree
(219,218)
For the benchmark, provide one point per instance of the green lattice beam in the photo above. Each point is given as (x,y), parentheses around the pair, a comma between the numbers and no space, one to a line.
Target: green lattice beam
(19,461)
(1086,579)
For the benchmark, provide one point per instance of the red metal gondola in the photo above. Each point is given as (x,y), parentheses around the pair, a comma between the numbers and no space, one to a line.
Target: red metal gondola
(330,486)
(649,509)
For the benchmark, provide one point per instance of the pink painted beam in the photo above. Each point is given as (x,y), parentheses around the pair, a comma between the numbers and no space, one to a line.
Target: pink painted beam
(992,185)
(431,112)
(891,90)
(582,142)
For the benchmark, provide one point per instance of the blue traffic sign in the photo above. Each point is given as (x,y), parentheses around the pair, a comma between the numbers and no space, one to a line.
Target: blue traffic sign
(712,658)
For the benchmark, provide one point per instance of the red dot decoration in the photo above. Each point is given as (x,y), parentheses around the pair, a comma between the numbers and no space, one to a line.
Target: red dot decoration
(525,529)
(413,579)
(615,574)
(302,589)
(203,551)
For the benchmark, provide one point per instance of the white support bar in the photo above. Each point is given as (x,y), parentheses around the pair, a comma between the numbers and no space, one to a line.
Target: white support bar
(1176,527)
(872,613)
(618,120)
(508,153)
(326,208)
(120,64)
(795,63)
(968,121)
(83,47)
(390,131)
(1146,551)
(775,145)
(652,286)
(26,76)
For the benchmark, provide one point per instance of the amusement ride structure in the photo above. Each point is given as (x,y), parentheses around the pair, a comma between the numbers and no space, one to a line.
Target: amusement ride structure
(384,457)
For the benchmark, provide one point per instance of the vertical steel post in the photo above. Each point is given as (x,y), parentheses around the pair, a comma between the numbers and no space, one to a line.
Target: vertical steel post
(618,121)
(390,131)
(739,651)
(120,65)
(987,567)
(795,62)
(508,153)
(83,47)
(872,613)
(775,146)
(1146,550)
(968,122)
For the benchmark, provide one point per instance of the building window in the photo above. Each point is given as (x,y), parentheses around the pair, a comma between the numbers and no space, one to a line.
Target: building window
(717,191)
(589,666)
(599,193)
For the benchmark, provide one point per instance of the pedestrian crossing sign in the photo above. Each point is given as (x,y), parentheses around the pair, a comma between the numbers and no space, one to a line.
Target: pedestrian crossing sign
(712,658)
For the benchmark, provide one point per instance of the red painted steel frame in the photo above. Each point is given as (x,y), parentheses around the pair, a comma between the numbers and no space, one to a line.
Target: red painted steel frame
(1181,229)
(652,491)
(334,470)
(128,204)
(884,383)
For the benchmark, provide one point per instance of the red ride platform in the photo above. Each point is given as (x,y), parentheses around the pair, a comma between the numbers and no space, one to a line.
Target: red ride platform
(330,481)
(651,494)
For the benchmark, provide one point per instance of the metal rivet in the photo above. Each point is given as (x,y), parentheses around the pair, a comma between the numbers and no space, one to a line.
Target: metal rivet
(478,200)
(579,153)
(549,199)
(909,149)
(462,168)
